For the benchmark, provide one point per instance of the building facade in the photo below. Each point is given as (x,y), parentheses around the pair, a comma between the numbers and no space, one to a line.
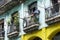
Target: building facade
(30,20)
(49,9)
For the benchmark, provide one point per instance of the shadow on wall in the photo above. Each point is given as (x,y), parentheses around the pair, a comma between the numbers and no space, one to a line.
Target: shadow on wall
(34,38)
(55,35)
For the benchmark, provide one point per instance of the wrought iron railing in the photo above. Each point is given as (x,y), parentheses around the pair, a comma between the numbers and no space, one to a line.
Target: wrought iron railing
(31,20)
(31,23)
(52,11)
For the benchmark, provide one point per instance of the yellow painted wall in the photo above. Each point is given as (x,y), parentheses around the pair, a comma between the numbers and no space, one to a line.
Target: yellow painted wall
(45,33)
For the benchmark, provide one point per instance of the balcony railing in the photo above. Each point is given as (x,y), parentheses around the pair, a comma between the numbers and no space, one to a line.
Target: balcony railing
(31,23)
(53,13)
(13,30)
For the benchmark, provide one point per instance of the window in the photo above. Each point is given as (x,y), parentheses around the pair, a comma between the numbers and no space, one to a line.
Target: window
(33,10)
(55,6)
(2,29)
(14,25)
(33,13)
(15,21)
(32,6)
(53,10)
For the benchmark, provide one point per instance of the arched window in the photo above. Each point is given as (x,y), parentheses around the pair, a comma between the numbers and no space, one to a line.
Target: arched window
(57,36)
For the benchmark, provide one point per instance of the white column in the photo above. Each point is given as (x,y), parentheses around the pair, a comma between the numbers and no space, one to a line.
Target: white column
(41,7)
(5,28)
(21,15)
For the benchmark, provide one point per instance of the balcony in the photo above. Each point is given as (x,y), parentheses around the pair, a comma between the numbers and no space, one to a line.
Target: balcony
(31,23)
(6,5)
(53,14)
(13,30)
